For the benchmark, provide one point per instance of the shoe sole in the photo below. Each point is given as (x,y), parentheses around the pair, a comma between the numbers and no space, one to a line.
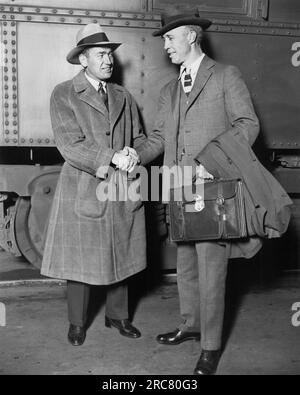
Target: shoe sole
(197,339)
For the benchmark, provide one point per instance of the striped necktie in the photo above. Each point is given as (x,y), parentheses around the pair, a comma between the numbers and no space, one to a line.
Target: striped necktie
(103,94)
(187,82)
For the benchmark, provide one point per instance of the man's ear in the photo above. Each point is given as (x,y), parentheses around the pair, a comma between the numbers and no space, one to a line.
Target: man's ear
(192,36)
(82,60)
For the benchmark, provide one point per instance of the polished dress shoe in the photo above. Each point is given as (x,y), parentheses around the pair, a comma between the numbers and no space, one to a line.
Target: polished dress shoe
(76,335)
(177,337)
(124,326)
(207,363)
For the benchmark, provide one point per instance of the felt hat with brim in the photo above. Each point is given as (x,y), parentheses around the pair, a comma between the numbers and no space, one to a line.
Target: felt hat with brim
(172,21)
(91,35)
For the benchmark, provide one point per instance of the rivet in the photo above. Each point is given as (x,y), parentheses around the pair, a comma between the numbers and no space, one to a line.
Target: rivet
(7,140)
(14,87)
(15,123)
(288,33)
(6,50)
(15,114)
(143,16)
(13,60)
(20,9)
(22,140)
(111,22)
(12,17)
(71,12)
(79,20)
(5,32)
(15,105)
(6,87)
(13,50)
(4,23)
(6,131)
(29,18)
(87,12)
(6,123)
(119,15)
(62,19)
(103,14)
(13,23)
(3,16)
(15,132)
(39,140)
(6,114)
(15,140)
(2,8)
(6,96)
(37,10)
(14,70)
(6,78)
(6,105)
(31,140)
(47,141)
(14,78)
(134,16)
(11,9)
(14,96)
(5,60)
(95,21)
(46,18)
(127,23)
(54,11)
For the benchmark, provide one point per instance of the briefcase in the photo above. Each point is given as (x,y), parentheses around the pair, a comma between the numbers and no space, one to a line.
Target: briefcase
(216,213)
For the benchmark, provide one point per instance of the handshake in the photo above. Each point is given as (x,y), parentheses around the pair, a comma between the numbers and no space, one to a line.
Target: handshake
(126,159)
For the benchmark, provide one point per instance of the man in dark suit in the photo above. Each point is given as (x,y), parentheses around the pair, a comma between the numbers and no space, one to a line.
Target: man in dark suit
(91,240)
(206,100)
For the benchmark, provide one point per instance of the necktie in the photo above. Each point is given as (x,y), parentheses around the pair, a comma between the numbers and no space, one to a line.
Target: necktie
(103,95)
(187,83)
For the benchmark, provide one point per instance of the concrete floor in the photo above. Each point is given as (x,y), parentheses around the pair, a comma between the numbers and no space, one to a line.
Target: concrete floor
(259,336)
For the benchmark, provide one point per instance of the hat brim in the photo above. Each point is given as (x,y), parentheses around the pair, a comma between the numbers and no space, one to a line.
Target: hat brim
(73,55)
(204,23)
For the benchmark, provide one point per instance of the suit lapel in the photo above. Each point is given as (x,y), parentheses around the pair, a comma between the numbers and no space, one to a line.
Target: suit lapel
(203,75)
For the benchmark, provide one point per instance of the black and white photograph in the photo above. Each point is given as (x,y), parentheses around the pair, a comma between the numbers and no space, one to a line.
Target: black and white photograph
(149,191)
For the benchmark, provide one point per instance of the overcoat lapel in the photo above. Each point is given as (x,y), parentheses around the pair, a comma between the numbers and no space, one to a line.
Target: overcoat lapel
(116,102)
(88,94)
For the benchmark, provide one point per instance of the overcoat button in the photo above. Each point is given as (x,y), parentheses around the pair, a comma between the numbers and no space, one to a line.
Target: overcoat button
(107,133)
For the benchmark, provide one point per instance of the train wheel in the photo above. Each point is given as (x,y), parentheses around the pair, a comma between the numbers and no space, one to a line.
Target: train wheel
(28,236)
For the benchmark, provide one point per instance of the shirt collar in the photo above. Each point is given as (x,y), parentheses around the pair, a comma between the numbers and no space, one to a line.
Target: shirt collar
(193,67)
(95,83)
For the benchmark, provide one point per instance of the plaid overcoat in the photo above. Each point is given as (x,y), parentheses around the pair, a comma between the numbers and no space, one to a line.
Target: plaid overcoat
(88,240)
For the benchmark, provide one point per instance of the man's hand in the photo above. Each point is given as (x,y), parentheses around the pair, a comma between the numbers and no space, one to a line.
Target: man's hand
(202,174)
(126,159)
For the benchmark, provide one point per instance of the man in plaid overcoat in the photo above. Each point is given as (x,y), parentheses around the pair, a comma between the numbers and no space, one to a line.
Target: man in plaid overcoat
(90,241)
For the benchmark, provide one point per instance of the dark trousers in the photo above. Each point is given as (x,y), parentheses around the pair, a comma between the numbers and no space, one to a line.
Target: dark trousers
(201,277)
(78,295)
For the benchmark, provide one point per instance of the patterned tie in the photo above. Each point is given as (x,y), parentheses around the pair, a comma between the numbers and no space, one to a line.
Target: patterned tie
(103,94)
(187,83)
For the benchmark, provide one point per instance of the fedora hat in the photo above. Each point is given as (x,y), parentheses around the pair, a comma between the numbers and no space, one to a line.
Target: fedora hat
(91,35)
(171,21)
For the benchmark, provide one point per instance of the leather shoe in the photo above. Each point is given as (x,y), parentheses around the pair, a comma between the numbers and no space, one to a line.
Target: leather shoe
(76,335)
(177,337)
(207,363)
(124,326)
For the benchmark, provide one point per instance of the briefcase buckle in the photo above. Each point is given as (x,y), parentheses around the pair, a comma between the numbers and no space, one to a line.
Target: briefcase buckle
(199,203)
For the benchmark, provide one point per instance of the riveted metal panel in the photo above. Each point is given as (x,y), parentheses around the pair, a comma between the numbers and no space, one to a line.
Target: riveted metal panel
(113,5)
(37,45)
(266,62)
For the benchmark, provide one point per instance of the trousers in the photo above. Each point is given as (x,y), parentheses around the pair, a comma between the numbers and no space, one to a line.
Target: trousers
(201,279)
(78,295)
